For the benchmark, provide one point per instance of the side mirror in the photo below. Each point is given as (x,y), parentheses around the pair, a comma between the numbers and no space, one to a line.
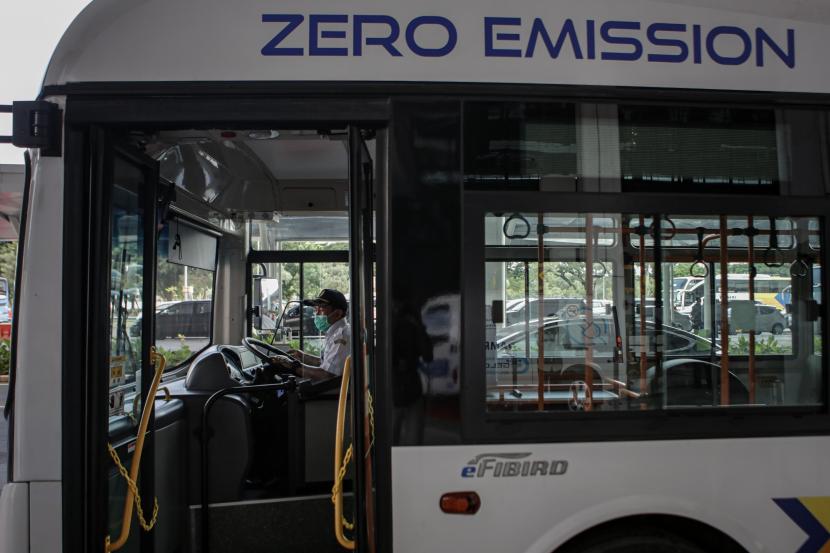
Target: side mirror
(266,303)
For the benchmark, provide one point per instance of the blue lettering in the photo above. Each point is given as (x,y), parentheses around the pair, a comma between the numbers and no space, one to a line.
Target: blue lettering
(452,36)
(489,50)
(726,60)
(592,39)
(387,42)
(468,472)
(293,21)
(314,35)
(328,35)
(697,56)
(683,50)
(637,47)
(568,31)
(761,38)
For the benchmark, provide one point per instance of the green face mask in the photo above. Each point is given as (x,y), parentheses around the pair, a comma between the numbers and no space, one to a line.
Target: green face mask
(321,322)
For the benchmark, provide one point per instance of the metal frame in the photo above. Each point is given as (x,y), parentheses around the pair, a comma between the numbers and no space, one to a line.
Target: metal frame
(88,197)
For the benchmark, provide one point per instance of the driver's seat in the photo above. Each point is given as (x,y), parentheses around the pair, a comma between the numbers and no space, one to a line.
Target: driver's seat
(231,442)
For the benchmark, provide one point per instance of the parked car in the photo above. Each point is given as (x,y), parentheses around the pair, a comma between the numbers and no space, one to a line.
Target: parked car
(5,309)
(569,339)
(770,319)
(564,308)
(691,383)
(678,319)
(291,320)
(189,318)
(5,303)
(767,318)
(566,342)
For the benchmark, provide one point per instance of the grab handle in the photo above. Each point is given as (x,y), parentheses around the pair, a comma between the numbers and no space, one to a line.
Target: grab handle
(132,495)
(340,467)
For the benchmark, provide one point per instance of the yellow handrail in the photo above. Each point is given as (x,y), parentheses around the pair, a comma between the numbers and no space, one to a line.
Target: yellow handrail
(340,467)
(132,493)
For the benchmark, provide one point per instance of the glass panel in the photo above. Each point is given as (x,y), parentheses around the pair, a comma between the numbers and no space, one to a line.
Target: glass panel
(184,290)
(518,145)
(600,321)
(316,277)
(184,309)
(126,283)
(331,232)
(671,147)
(280,291)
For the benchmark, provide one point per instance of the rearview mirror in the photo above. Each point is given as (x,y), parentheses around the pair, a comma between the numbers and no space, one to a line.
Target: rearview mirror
(267,303)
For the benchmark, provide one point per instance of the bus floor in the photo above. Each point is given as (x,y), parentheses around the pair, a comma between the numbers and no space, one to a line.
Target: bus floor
(288,525)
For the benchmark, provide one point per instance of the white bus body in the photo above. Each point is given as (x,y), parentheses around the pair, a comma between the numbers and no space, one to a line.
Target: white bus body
(756,482)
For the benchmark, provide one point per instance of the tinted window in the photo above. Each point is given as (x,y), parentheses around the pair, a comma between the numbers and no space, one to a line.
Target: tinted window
(185,276)
(613,353)
(698,148)
(518,145)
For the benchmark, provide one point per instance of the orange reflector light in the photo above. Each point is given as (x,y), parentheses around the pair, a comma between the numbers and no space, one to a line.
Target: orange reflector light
(460,503)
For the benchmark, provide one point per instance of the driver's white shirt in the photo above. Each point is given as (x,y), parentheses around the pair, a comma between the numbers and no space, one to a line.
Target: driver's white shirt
(336,347)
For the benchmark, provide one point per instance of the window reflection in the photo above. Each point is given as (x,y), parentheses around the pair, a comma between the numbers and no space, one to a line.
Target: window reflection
(612,312)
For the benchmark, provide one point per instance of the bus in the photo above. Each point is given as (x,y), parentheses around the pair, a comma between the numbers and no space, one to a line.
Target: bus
(769,290)
(437,163)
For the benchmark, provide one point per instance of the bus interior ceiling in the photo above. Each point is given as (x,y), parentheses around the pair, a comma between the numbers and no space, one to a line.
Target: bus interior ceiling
(262,192)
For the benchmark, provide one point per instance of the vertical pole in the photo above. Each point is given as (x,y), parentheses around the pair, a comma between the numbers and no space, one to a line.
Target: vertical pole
(301,273)
(659,337)
(724,312)
(589,313)
(357,201)
(527,323)
(147,475)
(540,320)
(751,261)
(643,345)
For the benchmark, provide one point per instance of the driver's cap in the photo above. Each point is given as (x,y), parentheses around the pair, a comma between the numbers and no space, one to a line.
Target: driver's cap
(329,296)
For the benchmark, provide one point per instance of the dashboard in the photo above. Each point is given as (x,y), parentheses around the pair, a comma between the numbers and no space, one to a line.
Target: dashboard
(222,366)
(240,361)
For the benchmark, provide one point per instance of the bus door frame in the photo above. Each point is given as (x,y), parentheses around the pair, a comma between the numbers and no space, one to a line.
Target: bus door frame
(90,110)
(105,145)
(361,315)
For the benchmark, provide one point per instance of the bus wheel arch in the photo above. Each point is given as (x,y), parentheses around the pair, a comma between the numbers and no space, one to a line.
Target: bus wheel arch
(676,533)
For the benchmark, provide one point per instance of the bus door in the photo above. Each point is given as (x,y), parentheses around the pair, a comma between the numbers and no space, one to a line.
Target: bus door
(124,181)
(306,251)
(362,319)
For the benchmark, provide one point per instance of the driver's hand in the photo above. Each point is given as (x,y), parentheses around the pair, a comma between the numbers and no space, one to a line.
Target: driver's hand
(285,362)
(296,354)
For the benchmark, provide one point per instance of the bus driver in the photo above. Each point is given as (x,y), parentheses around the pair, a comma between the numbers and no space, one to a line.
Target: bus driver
(330,318)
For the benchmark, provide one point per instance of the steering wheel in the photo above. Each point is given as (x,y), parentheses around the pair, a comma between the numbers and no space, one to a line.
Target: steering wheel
(254,346)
